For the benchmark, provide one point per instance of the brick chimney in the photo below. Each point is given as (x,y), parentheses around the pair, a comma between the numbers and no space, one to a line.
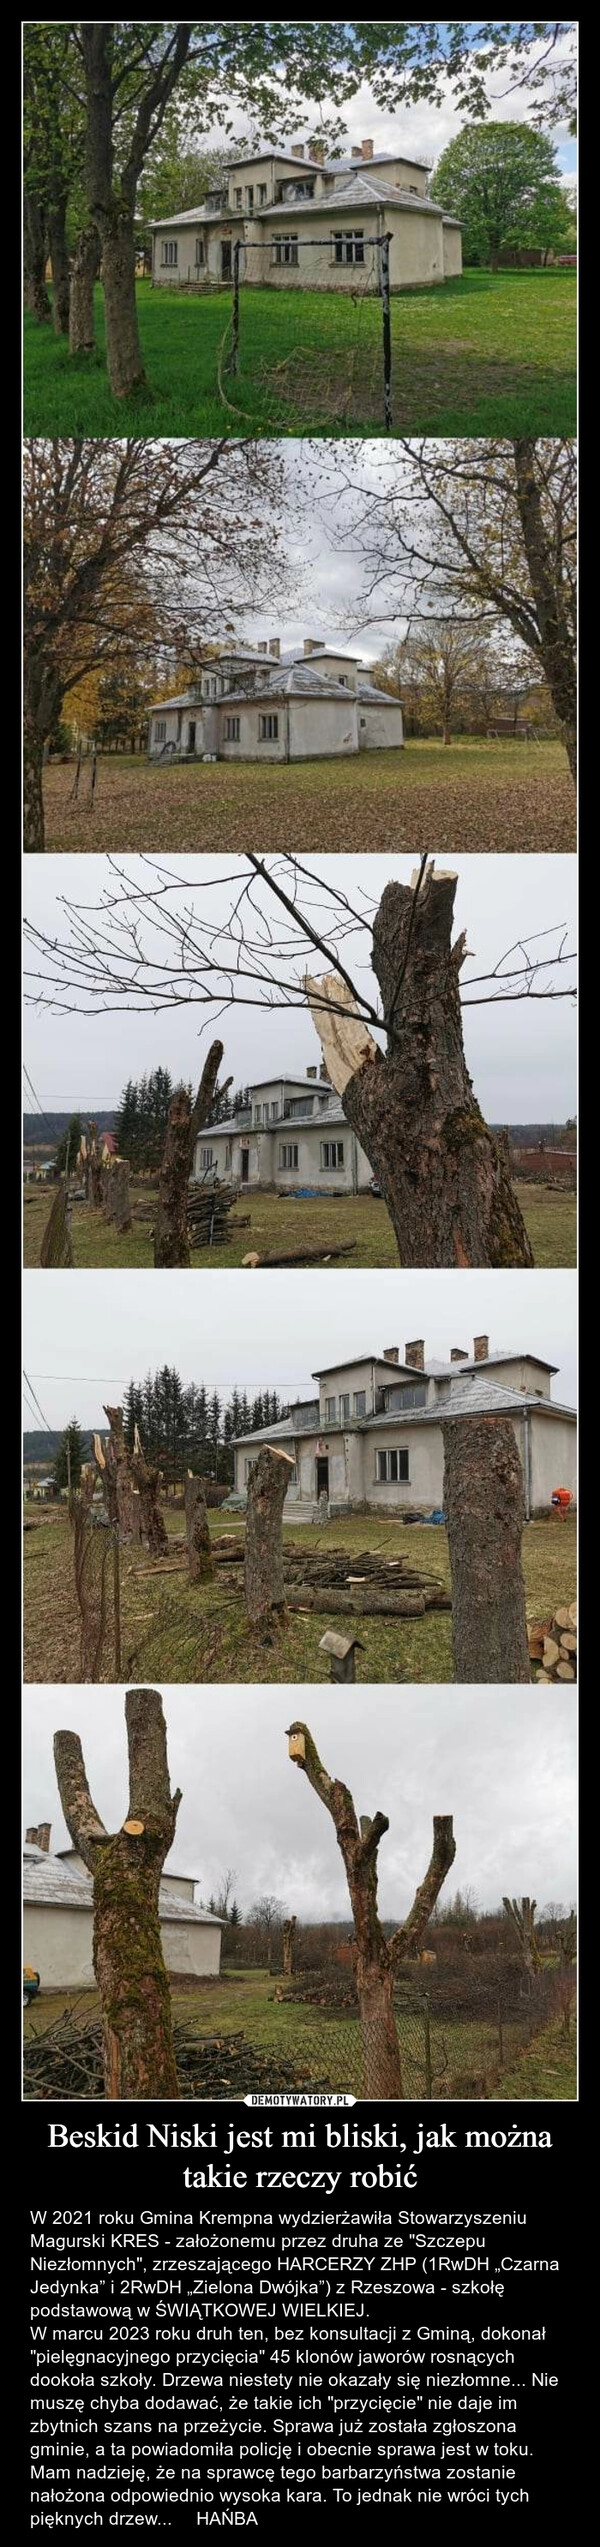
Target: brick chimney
(275,648)
(38,1835)
(297,151)
(312,645)
(366,150)
(457,1353)
(481,1347)
(391,1353)
(312,1072)
(262,646)
(318,151)
(324,1073)
(414,1354)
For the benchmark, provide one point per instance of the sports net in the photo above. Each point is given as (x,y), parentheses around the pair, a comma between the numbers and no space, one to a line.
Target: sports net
(308,335)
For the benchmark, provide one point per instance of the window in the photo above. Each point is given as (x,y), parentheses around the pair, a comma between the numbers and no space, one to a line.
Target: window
(250,198)
(206,1158)
(274,1109)
(262,194)
(257,1114)
(344,1410)
(330,1410)
(348,247)
(415,1394)
(169,252)
(160,729)
(392,1467)
(284,250)
(232,729)
(268,729)
(360,1401)
(288,1153)
(239,197)
(199,251)
(265,1114)
(228,1153)
(298,1105)
(332,1154)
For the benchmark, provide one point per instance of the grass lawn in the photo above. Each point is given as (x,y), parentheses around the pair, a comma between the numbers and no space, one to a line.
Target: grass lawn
(325,2046)
(485,354)
(175,1631)
(476,795)
(281,1225)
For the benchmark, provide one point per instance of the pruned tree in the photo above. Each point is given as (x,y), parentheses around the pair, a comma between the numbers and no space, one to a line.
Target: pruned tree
(126,1867)
(171,1236)
(522,1913)
(116,1194)
(377,1958)
(200,1559)
(484,1504)
(443,1176)
(263,1546)
(114,1466)
(287,1945)
(57,1246)
(147,1479)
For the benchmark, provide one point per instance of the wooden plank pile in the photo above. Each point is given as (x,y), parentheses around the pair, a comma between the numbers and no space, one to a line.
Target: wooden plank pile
(553,1645)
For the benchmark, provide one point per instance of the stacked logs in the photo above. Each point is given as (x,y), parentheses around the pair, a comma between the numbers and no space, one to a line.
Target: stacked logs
(553,1645)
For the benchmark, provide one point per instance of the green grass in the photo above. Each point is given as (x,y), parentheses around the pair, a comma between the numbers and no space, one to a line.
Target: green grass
(477,795)
(325,2045)
(173,1631)
(486,354)
(277,1225)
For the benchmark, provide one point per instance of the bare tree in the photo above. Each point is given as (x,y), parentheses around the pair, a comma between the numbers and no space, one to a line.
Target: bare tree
(171,1236)
(522,1913)
(478,532)
(444,1176)
(130,547)
(126,1867)
(377,1958)
(288,1937)
(485,1513)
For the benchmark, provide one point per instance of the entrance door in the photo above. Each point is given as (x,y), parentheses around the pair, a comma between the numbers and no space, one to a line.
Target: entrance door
(225,260)
(245,1156)
(322,1477)
(191,738)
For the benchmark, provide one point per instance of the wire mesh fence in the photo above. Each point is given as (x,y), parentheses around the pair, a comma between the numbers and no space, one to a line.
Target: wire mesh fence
(332,363)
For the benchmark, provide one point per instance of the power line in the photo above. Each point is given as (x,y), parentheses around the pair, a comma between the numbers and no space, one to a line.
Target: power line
(40,1108)
(50,1428)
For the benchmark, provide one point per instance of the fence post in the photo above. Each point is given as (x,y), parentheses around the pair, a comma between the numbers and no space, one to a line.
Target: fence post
(235,313)
(428,2061)
(117,1602)
(387,330)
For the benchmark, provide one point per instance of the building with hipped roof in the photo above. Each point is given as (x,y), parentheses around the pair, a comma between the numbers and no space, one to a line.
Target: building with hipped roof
(58,1919)
(271,703)
(304,220)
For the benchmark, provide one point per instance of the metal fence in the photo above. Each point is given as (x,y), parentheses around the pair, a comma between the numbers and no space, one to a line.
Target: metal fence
(340,373)
(460,2053)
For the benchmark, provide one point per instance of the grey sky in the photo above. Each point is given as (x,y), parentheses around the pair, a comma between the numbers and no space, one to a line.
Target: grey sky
(85,1337)
(521,1057)
(505,1769)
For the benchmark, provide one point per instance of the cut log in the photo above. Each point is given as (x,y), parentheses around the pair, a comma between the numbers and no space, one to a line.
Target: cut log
(564,1671)
(568,1644)
(573,1614)
(551,1653)
(562,1618)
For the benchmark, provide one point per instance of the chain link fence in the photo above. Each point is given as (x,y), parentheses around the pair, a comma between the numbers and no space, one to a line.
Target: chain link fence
(455,2052)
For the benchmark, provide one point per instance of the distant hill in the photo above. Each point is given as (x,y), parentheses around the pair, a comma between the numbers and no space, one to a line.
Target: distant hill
(527,1136)
(41,1448)
(50,1127)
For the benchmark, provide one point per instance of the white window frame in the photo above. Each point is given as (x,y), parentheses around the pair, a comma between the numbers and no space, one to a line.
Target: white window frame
(288,1156)
(268,729)
(332,1156)
(170,252)
(384,1474)
(345,1407)
(207,1158)
(348,247)
(160,729)
(330,1405)
(360,1402)
(232,729)
(284,248)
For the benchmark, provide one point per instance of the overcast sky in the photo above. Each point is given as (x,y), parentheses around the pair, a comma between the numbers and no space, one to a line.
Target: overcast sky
(86,1336)
(521,1056)
(505,1769)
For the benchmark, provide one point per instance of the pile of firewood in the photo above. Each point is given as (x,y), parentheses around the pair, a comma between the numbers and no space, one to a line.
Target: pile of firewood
(329,1581)
(208,1214)
(553,1645)
(65,2060)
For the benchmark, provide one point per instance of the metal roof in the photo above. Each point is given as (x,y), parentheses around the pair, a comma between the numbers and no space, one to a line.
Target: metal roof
(47,1881)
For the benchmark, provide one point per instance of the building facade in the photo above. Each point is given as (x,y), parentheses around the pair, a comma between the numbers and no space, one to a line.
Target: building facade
(58,1921)
(292,1136)
(371,1440)
(313,223)
(262,704)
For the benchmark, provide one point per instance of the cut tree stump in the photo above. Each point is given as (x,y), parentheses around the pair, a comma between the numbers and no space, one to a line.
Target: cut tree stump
(485,1510)
(263,1550)
(200,1562)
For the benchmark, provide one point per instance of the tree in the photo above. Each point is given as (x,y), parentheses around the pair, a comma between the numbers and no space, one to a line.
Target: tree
(444,657)
(69,1457)
(522,1913)
(171,1241)
(52,160)
(499,180)
(377,1958)
(200,1560)
(443,1176)
(263,1544)
(126,1867)
(127,544)
(69,1147)
(485,531)
(485,1513)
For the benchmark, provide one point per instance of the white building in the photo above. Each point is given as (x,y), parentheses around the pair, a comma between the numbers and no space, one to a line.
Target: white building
(293,1137)
(312,223)
(260,703)
(372,1439)
(58,1921)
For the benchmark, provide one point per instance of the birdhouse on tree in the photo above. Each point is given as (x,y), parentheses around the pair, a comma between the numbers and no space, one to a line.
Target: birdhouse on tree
(296,1745)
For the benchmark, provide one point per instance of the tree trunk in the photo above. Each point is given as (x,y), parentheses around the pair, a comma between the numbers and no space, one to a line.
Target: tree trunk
(35,292)
(263,1547)
(171,1240)
(287,1947)
(447,1189)
(123,1504)
(485,1510)
(200,1559)
(147,1480)
(123,349)
(85,268)
(376,1957)
(42,700)
(522,1914)
(139,2059)
(556,647)
(121,1205)
(59,259)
